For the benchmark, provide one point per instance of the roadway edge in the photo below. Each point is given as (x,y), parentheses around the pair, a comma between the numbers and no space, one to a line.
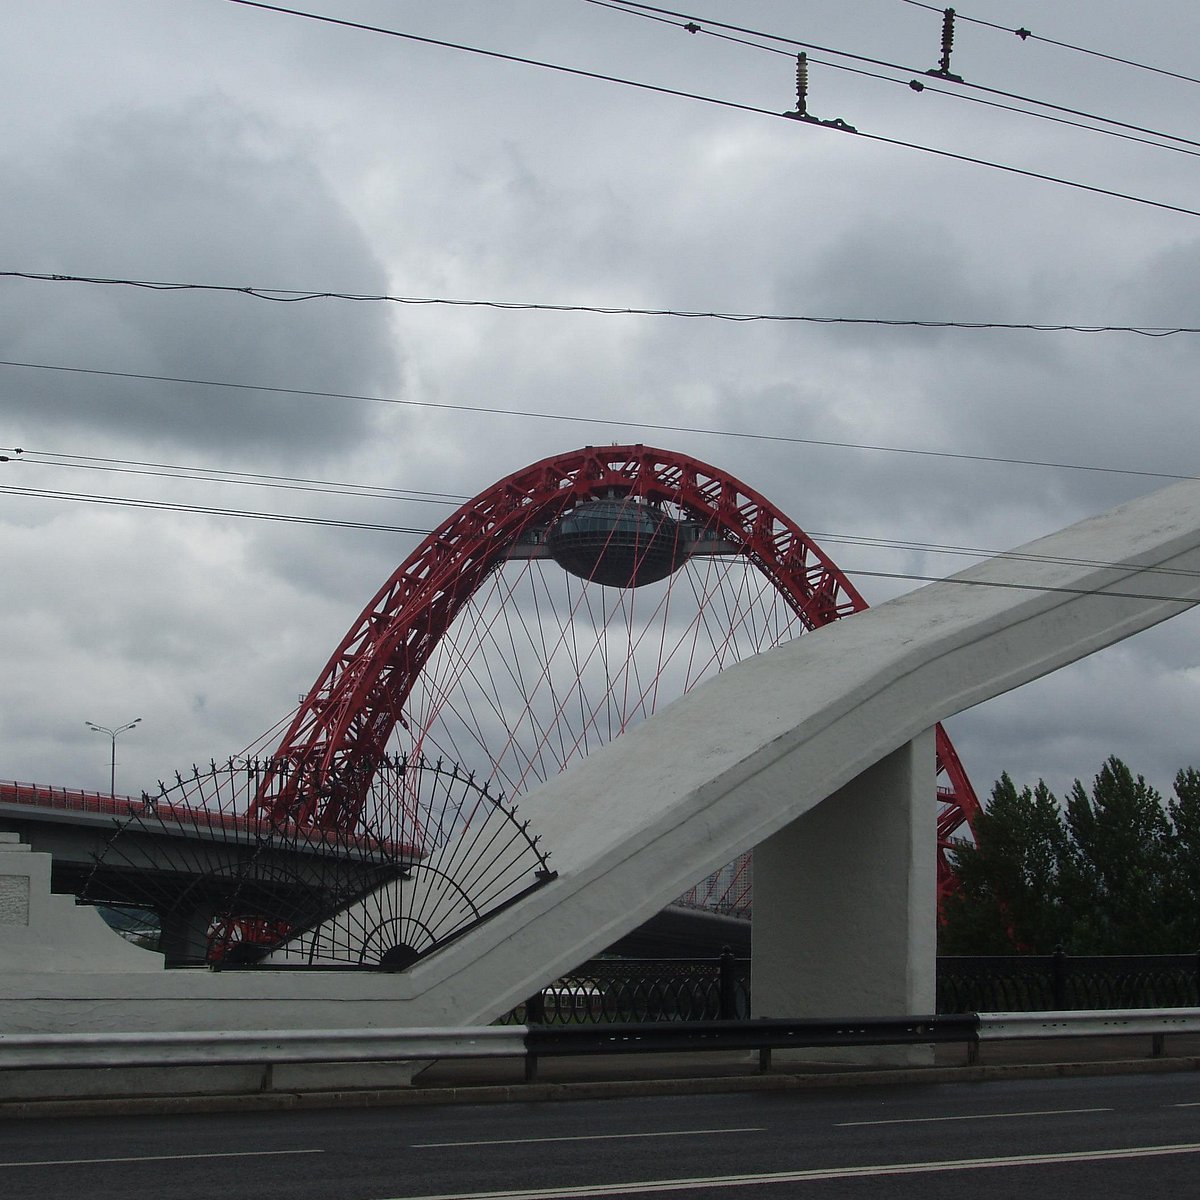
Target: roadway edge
(165,1105)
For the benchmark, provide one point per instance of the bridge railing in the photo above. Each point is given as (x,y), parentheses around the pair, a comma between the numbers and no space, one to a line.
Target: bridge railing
(68,799)
(605,991)
(37,795)
(531,1042)
(1061,981)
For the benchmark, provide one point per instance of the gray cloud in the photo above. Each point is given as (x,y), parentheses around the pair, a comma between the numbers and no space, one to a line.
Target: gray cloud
(274,152)
(198,193)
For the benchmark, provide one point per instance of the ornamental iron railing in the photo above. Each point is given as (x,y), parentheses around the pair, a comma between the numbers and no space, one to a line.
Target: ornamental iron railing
(1061,982)
(605,991)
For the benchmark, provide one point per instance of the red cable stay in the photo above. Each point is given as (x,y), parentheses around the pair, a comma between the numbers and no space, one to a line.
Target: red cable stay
(480,648)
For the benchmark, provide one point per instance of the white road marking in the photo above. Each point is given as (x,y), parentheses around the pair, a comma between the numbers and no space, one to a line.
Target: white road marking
(586,1137)
(637,1187)
(1046,1112)
(75,1162)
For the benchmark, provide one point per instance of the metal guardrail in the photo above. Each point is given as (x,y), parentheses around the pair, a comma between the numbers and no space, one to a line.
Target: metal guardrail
(40,1051)
(762,1035)
(532,1042)
(1094,1023)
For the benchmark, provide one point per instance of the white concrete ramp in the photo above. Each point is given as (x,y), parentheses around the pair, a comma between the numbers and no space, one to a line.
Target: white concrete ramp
(744,756)
(741,760)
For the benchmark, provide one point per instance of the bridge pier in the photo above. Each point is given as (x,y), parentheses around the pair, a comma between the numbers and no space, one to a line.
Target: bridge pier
(184,931)
(845,898)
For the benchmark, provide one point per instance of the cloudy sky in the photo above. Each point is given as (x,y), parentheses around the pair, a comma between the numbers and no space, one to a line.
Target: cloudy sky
(210,142)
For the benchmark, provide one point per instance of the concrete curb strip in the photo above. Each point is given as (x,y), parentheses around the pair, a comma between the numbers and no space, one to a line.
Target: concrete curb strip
(580,1090)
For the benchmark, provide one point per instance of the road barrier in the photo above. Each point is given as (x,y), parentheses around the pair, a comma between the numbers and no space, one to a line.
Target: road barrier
(38,1051)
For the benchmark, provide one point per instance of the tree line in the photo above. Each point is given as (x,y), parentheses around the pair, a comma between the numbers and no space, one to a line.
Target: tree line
(1110,870)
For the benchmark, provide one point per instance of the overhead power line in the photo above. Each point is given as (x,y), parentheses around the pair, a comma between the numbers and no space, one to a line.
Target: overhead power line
(295,296)
(208,510)
(617,423)
(692,18)
(921,84)
(379,491)
(291,483)
(751,108)
(291,518)
(1028,35)
(52,458)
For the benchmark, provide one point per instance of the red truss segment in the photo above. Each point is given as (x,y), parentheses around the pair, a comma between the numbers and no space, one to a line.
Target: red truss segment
(338,736)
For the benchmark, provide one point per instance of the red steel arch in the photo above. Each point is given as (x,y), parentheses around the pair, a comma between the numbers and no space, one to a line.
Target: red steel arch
(321,771)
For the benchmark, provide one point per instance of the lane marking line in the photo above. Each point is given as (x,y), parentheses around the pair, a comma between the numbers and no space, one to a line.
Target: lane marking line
(77,1162)
(586,1137)
(637,1187)
(1045,1112)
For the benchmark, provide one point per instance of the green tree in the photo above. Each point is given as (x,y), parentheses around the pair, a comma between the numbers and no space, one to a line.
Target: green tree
(1010,896)
(1115,880)
(1113,871)
(1182,900)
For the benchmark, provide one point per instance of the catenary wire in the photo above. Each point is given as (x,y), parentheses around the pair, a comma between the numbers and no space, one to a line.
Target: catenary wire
(634,6)
(295,296)
(1028,35)
(52,458)
(581,419)
(374,526)
(921,85)
(209,510)
(751,108)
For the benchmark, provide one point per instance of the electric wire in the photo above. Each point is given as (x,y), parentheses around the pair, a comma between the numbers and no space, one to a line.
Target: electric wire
(296,296)
(209,510)
(612,422)
(374,491)
(910,84)
(1028,35)
(634,6)
(374,526)
(53,458)
(751,108)
(328,487)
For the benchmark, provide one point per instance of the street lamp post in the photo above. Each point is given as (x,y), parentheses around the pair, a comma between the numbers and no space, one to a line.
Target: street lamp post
(112,734)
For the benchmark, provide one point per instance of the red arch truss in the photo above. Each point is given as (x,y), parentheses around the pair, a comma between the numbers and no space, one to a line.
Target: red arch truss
(321,772)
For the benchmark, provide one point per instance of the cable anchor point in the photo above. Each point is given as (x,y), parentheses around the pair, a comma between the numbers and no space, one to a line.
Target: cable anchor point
(942,70)
(801,113)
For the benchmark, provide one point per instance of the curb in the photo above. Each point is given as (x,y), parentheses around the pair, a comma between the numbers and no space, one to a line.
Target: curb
(530,1093)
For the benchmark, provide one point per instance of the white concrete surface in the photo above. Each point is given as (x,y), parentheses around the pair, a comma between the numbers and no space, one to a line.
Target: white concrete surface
(44,932)
(844,898)
(721,770)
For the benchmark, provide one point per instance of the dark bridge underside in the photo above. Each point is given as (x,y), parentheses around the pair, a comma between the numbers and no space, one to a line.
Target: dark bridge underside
(73,839)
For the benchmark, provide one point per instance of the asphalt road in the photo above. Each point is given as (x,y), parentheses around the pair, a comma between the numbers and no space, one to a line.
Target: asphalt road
(1112,1137)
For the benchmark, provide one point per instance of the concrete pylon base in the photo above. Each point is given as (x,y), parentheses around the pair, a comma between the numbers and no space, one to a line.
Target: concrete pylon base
(845,904)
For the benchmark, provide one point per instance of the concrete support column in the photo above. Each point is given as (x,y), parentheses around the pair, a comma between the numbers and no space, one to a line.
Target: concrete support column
(184,931)
(845,898)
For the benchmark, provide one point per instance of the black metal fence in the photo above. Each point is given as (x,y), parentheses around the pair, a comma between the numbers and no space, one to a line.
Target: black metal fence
(1061,982)
(622,990)
(714,989)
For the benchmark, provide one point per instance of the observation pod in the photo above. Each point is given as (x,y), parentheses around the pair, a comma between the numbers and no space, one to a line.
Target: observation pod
(618,541)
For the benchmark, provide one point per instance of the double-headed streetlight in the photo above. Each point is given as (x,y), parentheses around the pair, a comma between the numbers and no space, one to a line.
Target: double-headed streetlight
(112,733)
